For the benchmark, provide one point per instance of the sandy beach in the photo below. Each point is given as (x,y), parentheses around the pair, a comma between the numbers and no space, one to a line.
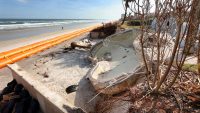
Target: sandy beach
(35,35)
(18,38)
(63,70)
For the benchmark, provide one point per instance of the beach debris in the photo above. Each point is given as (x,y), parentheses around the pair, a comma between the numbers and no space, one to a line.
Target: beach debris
(80,45)
(71,89)
(17,100)
(67,49)
(8,89)
(45,75)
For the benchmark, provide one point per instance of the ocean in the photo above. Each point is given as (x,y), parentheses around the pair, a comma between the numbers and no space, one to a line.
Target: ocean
(10,24)
(23,28)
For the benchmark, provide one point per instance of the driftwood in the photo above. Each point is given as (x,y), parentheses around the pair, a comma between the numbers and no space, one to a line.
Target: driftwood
(75,44)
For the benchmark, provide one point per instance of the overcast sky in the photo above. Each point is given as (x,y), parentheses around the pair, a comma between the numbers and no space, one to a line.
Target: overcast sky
(61,9)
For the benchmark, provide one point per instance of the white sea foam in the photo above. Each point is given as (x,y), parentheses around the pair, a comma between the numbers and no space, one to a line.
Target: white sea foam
(29,24)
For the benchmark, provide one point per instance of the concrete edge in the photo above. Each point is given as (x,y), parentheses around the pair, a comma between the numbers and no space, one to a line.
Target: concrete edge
(50,102)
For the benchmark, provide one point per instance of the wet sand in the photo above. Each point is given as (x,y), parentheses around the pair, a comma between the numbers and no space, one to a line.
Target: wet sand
(17,38)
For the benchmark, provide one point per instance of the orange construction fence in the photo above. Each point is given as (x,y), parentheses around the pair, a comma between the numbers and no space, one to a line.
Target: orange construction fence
(17,54)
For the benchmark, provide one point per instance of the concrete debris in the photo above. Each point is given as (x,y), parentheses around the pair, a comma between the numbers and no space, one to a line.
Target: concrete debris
(117,62)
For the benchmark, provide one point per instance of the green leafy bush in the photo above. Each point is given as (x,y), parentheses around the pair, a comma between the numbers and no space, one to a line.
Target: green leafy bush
(191,67)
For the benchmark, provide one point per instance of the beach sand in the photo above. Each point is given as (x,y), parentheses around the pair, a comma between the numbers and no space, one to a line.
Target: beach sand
(5,45)
(63,70)
(18,38)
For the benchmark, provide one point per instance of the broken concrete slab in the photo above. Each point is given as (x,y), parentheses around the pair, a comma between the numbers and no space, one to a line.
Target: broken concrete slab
(50,102)
(117,73)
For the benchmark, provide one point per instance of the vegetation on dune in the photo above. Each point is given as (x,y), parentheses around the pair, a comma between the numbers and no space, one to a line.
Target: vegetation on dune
(135,24)
(126,25)
(191,67)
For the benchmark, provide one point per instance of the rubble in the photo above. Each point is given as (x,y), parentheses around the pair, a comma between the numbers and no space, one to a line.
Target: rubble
(116,75)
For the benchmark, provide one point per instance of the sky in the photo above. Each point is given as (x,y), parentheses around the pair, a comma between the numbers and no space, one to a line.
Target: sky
(61,9)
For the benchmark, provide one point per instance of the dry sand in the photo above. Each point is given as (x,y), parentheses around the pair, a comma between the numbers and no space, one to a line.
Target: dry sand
(5,74)
(63,70)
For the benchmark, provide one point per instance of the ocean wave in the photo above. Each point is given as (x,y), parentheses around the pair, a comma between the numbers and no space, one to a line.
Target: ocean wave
(9,25)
